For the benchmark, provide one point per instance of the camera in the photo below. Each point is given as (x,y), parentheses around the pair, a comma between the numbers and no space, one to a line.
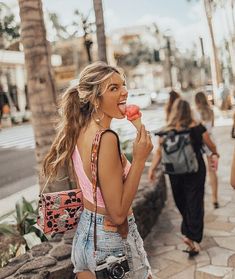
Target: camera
(112,267)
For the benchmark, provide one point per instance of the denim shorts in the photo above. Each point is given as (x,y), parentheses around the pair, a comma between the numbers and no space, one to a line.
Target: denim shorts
(108,243)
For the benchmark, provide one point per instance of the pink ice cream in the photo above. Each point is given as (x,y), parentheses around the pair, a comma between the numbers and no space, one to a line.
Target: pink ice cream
(133,114)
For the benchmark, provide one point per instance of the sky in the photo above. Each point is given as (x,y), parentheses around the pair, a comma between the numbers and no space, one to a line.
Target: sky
(186,20)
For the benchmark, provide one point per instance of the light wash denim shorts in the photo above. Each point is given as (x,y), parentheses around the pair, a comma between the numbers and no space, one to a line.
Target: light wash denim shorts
(108,243)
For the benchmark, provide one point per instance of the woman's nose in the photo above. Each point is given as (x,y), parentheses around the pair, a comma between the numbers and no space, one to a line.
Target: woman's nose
(124,91)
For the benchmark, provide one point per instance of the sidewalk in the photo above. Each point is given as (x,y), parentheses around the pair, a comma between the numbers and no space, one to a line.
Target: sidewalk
(217,257)
(7,204)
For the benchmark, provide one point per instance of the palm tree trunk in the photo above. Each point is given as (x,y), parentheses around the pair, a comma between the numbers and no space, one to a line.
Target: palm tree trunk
(215,66)
(41,88)
(100,31)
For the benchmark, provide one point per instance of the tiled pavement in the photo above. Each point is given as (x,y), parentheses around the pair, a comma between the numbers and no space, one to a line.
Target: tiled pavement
(217,257)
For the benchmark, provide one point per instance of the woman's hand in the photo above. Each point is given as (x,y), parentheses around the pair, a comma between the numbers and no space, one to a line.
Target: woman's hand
(209,143)
(142,145)
(151,174)
(232,178)
(214,158)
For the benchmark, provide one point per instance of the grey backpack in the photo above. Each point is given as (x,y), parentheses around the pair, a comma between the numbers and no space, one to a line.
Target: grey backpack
(178,156)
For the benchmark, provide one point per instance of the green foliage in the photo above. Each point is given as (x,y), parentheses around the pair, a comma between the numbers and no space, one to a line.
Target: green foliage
(7,229)
(26,218)
(138,53)
(23,232)
(126,146)
(7,254)
(8,27)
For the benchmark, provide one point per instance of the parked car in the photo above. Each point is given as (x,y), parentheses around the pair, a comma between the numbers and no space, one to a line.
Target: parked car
(162,97)
(153,96)
(139,97)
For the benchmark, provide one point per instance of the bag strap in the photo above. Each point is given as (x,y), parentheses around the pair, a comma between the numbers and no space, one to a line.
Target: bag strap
(44,187)
(94,172)
(48,179)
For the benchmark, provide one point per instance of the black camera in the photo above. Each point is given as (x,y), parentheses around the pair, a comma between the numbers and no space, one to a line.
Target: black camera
(112,267)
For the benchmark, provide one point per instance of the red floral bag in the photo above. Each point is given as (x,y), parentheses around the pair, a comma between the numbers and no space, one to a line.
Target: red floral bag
(59,211)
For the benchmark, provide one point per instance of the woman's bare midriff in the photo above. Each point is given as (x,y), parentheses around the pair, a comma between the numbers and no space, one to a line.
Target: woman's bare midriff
(100,210)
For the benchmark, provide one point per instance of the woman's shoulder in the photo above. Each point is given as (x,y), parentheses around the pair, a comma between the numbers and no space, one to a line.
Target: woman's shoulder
(198,127)
(110,135)
(110,141)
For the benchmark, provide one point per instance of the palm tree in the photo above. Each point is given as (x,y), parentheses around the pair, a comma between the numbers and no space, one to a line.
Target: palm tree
(100,31)
(208,10)
(40,81)
(209,6)
(9,29)
(87,27)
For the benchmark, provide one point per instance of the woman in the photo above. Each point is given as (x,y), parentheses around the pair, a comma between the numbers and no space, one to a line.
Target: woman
(232,178)
(172,97)
(233,127)
(86,109)
(206,116)
(188,189)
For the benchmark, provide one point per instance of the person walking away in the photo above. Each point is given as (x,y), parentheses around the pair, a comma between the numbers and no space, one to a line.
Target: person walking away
(173,95)
(87,111)
(232,179)
(206,115)
(233,127)
(187,188)
(4,105)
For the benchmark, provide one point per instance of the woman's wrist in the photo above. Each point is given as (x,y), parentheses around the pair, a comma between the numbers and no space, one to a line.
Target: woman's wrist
(138,163)
(153,168)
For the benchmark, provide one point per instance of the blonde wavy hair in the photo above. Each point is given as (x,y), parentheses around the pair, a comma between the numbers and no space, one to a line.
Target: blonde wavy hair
(203,107)
(180,116)
(76,108)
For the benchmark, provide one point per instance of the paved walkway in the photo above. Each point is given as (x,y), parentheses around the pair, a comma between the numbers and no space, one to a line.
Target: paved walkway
(217,257)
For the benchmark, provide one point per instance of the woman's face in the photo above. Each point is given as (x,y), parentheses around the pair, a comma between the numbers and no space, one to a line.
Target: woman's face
(114,96)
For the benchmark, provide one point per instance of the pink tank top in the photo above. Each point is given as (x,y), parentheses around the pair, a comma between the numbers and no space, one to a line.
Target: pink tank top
(85,183)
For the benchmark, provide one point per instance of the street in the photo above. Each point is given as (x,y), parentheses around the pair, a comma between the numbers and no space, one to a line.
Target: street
(17,159)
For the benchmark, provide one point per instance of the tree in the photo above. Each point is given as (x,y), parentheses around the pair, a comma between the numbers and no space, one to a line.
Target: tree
(87,30)
(61,30)
(100,31)
(9,29)
(210,6)
(41,88)
(138,53)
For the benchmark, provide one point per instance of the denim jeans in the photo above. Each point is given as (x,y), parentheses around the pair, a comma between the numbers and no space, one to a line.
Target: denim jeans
(108,244)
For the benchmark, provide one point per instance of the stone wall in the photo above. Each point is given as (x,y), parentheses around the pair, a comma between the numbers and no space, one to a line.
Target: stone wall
(51,260)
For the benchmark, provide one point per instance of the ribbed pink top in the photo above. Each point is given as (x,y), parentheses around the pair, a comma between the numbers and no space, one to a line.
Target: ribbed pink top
(85,183)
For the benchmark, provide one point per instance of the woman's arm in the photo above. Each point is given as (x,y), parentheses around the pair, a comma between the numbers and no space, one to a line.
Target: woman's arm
(233,171)
(213,119)
(157,156)
(209,143)
(118,195)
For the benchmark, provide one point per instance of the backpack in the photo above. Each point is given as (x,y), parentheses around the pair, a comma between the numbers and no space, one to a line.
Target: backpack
(178,155)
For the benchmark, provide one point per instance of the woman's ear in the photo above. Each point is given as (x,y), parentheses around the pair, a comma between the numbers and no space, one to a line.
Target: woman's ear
(96,104)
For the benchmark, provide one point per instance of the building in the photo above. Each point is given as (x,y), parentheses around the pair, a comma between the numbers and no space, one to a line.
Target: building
(13,77)
(143,51)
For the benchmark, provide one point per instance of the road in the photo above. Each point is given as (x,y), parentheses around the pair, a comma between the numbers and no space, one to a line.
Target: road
(17,159)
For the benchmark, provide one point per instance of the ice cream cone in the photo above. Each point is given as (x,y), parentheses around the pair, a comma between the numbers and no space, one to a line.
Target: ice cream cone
(137,123)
